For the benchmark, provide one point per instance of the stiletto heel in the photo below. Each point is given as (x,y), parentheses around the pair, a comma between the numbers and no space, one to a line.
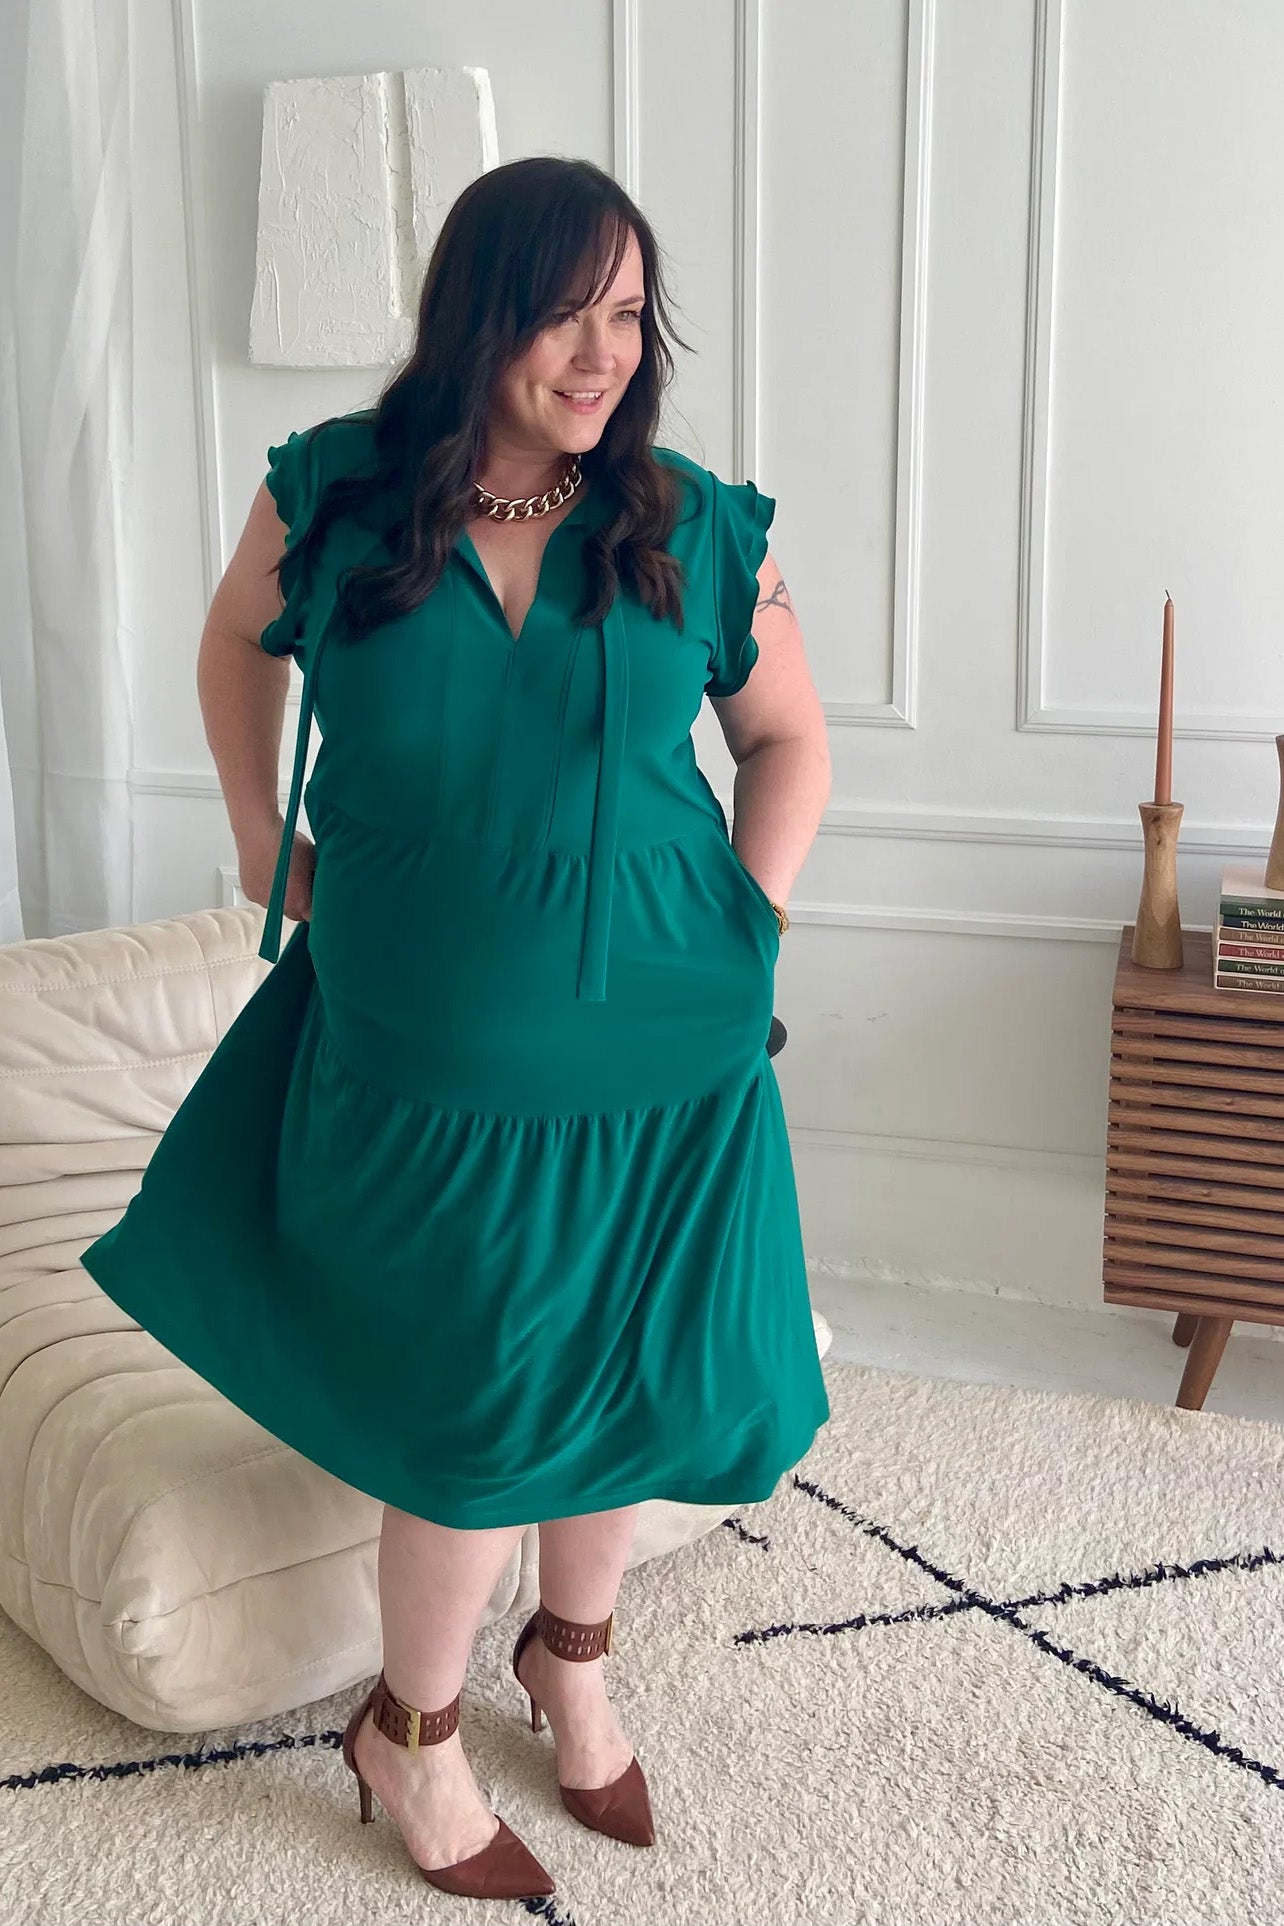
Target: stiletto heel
(503,1869)
(622,1809)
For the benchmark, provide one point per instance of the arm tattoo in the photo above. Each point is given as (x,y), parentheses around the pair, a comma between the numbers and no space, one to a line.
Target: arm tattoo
(778,599)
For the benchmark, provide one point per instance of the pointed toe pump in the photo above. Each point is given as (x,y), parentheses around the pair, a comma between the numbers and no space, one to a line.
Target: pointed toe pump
(622,1809)
(503,1869)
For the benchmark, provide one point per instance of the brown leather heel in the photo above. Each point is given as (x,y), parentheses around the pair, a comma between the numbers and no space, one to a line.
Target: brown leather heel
(621,1810)
(503,1869)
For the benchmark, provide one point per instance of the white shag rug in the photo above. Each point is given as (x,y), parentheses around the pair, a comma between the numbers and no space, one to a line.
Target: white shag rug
(989,1657)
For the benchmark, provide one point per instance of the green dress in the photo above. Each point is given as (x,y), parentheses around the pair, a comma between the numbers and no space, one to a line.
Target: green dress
(484,1202)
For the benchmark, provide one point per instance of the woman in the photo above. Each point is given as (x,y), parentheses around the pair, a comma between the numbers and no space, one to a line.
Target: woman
(496,1215)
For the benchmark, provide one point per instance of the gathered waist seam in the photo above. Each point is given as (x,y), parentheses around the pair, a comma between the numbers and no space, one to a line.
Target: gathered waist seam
(737,1084)
(700,829)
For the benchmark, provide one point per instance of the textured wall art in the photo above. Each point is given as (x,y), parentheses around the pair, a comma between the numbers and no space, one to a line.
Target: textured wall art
(357,174)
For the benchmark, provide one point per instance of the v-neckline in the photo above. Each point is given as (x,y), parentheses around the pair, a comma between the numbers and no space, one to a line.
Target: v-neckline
(468,548)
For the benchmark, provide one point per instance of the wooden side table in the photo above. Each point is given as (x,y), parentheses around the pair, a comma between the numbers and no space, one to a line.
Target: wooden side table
(1195,1153)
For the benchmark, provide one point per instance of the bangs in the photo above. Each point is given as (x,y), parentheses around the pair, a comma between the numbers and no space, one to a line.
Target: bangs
(596,270)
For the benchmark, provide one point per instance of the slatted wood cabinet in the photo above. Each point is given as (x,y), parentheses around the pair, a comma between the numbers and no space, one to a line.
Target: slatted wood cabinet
(1195,1153)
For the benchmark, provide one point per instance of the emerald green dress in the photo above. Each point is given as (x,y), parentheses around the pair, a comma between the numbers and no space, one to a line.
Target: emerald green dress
(484,1202)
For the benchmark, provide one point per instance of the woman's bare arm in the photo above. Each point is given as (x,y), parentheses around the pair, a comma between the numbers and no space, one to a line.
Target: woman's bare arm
(242,694)
(775,729)
(241,687)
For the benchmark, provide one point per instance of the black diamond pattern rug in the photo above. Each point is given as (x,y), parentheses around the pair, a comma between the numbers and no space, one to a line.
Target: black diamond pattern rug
(986,1655)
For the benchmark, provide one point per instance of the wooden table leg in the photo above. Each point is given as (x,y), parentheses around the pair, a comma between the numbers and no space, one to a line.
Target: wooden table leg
(1185,1327)
(1205,1355)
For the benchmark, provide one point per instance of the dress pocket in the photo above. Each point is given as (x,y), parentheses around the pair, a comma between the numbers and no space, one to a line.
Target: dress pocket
(760,897)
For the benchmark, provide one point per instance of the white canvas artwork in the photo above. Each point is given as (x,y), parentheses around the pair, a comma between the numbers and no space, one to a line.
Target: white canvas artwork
(357,174)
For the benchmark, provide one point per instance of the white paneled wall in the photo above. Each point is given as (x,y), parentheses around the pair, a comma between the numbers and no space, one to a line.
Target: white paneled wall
(988,297)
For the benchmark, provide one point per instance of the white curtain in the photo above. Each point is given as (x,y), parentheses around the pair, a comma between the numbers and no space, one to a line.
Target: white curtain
(66,364)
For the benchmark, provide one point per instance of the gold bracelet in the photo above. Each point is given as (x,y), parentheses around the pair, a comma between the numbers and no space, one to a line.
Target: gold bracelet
(781,917)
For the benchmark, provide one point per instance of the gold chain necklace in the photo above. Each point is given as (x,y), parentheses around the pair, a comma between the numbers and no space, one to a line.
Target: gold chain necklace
(500,509)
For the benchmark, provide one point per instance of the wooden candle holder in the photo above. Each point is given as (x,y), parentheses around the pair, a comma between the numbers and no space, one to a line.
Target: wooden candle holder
(1156,940)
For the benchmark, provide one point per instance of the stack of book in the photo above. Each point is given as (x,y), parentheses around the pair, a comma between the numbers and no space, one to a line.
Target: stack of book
(1248,943)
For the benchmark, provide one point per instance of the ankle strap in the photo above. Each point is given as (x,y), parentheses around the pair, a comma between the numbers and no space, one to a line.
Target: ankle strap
(406,1724)
(565,1639)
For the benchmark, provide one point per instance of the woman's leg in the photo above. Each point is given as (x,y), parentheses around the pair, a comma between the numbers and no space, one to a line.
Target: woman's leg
(434,1582)
(581,1562)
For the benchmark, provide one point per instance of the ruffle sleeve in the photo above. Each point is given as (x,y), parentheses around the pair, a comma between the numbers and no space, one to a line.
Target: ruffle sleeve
(293,482)
(741,517)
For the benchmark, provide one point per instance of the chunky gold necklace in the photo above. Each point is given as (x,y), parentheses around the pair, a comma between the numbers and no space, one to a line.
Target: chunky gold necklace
(501,510)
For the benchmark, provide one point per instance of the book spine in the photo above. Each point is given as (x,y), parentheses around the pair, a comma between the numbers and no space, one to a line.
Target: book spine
(1267,984)
(1261,916)
(1264,952)
(1256,968)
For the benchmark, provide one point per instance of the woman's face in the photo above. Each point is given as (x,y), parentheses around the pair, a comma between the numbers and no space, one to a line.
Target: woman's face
(591,353)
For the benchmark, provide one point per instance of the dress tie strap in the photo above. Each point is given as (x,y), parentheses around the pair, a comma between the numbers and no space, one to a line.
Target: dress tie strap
(599,887)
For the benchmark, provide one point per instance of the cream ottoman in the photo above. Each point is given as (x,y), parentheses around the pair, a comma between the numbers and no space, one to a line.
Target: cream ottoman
(174,1558)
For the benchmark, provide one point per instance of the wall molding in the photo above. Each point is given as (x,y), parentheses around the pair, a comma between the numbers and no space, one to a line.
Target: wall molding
(625,164)
(1034,714)
(1228,842)
(901,705)
(901,710)
(923,922)
(1037,387)
(1077,1164)
(746,289)
(912,360)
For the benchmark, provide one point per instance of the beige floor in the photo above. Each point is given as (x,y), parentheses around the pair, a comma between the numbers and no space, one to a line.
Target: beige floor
(983,1339)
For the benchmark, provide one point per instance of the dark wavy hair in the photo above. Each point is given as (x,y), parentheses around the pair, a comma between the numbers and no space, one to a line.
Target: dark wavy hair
(521,244)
